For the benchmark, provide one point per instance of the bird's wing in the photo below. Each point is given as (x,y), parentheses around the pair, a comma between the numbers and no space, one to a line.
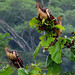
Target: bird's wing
(48,12)
(51,17)
(20,61)
(16,53)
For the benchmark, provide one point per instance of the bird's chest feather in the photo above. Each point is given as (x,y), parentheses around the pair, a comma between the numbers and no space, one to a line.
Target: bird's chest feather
(11,56)
(59,22)
(42,14)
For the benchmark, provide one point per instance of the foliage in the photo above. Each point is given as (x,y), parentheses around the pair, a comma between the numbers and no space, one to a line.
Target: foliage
(6,70)
(69,29)
(70,51)
(34,69)
(21,71)
(4,39)
(17,14)
(37,50)
(47,39)
(52,45)
(51,65)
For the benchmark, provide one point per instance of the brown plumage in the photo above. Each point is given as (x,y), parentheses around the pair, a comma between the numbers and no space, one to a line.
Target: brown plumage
(45,13)
(59,31)
(14,57)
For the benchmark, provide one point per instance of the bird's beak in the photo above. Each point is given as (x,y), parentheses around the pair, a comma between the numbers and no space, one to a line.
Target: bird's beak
(37,6)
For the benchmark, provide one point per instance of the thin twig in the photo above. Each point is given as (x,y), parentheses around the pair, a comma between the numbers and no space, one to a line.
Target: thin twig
(4,63)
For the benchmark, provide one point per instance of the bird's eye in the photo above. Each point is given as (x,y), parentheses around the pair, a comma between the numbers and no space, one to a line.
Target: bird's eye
(37,5)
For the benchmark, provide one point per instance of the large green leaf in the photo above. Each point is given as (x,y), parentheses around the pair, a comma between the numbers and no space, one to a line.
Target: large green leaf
(53,68)
(6,70)
(33,22)
(36,50)
(21,71)
(55,52)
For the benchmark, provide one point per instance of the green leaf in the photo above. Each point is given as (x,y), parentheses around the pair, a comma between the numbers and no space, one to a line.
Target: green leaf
(33,22)
(54,69)
(62,41)
(34,72)
(21,71)
(55,52)
(35,67)
(68,39)
(6,70)
(41,37)
(69,54)
(46,43)
(36,50)
(44,73)
(43,20)
(59,27)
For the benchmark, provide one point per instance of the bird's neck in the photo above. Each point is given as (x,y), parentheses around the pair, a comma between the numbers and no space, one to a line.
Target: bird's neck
(8,52)
(59,22)
(39,8)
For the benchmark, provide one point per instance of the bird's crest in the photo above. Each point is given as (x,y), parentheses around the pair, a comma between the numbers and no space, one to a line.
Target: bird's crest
(6,47)
(60,17)
(37,3)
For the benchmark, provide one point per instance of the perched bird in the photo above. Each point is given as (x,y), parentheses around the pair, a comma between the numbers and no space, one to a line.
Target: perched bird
(45,13)
(59,31)
(14,57)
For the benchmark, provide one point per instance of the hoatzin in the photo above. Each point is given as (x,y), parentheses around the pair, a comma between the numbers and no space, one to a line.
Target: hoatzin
(58,31)
(14,57)
(45,13)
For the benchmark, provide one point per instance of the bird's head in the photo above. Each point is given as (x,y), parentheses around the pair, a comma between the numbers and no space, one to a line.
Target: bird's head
(60,17)
(6,48)
(38,5)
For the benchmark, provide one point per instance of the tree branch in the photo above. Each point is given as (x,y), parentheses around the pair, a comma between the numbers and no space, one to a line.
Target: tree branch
(20,41)
(4,63)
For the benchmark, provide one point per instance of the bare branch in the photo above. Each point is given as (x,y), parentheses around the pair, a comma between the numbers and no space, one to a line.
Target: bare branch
(4,63)
(18,39)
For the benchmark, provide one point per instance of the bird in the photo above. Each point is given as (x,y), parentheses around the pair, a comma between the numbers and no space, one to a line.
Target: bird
(58,31)
(14,58)
(45,13)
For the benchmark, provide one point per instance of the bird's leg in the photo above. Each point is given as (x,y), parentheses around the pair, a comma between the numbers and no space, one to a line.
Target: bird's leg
(18,63)
(13,65)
